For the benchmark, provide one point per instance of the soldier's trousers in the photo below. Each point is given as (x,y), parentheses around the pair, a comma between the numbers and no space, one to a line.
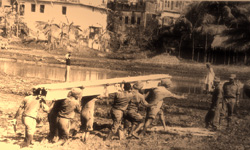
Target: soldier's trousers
(63,125)
(229,106)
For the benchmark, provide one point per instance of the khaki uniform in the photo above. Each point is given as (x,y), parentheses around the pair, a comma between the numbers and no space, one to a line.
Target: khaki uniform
(87,113)
(157,96)
(231,91)
(31,106)
(66,112)
(121,101)
(215,110)
(133,115)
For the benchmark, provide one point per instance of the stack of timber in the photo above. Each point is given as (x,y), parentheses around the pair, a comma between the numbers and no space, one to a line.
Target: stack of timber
(59,91)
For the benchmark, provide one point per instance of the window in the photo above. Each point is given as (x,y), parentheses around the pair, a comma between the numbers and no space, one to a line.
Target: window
(33,7)
(126,20)
(120,18)
(132,20)
(138,20)
(176,4)
(168,4)
(172,5)
(22,10)
(42,7)
(64,10)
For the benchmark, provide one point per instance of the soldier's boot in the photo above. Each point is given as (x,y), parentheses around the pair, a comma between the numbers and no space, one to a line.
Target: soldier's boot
(86,137)
(110,135)
(28,141)
(31,139)
(121,135)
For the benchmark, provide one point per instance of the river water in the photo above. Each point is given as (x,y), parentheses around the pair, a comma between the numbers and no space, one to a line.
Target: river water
(181,84)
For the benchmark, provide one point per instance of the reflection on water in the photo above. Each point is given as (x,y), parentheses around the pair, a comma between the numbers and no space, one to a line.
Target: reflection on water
(56,72)
(188,85)
(180,84)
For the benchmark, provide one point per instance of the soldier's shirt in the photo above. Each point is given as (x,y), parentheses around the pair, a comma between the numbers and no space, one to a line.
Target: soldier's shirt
(68,108)
(231,90)
(158,94)
(31,105)
(136,100)
(121,100)
(216,97)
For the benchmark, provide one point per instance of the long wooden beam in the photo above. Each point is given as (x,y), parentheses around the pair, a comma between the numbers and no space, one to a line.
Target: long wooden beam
(59,91)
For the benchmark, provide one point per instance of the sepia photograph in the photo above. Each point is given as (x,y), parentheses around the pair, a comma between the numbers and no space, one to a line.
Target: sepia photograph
(125,74)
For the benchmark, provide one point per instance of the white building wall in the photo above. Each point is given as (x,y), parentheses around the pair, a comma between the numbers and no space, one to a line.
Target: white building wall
(80,15)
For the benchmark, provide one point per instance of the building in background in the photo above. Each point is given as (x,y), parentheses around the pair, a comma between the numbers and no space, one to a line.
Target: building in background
(171,10)
(132,13)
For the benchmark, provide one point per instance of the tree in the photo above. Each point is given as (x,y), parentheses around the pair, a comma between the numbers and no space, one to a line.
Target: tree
(49,28)
(182,29)
(239,38)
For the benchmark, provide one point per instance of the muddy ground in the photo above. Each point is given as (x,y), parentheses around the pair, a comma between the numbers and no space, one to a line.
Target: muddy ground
(187,113)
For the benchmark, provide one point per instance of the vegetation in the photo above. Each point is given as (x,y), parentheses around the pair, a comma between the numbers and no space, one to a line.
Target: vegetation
(205,32)
(204,21)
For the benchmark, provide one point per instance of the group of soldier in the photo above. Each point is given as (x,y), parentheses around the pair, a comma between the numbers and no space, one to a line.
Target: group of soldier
(225,98)
(125,108)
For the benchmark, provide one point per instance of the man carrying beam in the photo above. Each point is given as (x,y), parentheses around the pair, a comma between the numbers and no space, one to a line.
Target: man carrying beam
(121,101)
(156,97)
(133,114)
(67,112)
(29,108)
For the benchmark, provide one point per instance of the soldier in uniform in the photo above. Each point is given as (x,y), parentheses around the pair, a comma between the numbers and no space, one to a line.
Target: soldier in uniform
(213,116)
(29,108)
(231,97)
(133,114)
(66,113)
(119,107)
(156,97)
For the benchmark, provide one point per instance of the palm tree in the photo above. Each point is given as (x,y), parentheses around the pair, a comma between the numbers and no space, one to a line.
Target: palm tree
(49,28)
(182,28)
(239,38)
(210,19)
(239,33)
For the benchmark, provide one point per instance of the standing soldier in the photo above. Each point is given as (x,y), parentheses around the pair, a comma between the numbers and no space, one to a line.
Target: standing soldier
(29,108)
(231,97)
(209,78)
(67,112)
(133,115)
(67,56)
(121,101)
(156,97)
(213,116)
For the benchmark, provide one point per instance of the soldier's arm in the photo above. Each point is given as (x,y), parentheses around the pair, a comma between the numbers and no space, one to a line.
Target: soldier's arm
(45,107)
(145,103)
(78,107)
(177,96)
(20,109)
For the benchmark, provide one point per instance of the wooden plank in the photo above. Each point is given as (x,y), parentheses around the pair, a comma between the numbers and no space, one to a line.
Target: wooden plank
(59,91)
(184,131)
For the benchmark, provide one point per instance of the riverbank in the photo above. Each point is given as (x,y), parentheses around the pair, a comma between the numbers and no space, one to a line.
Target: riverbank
(159,64)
